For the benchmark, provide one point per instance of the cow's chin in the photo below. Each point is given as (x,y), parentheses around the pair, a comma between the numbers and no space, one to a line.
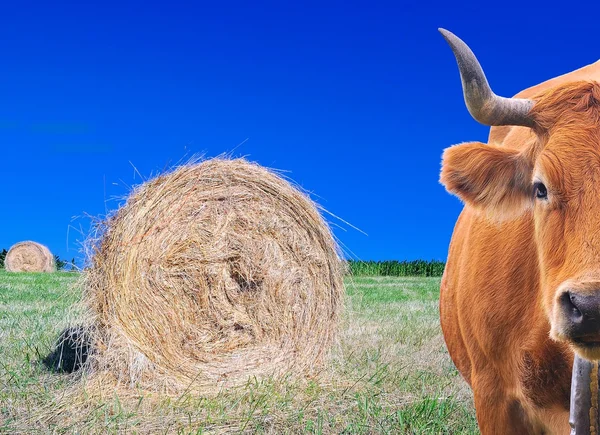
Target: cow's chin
(589,351)
(587,348)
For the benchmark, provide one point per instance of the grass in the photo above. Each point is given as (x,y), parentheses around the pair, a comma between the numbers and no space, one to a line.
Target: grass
(390,373)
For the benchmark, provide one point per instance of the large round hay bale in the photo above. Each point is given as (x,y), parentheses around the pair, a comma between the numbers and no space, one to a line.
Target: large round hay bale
(212,274)
(29,257)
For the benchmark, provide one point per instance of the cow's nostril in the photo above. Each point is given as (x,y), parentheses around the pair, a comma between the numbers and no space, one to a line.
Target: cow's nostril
(569,306)
(576,311)
(581,315)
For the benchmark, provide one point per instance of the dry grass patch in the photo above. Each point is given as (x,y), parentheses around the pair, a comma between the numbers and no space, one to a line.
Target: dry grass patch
(390,374)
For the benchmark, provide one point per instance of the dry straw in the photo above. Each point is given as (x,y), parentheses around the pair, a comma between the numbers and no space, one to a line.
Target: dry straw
(217,272)
(29,257)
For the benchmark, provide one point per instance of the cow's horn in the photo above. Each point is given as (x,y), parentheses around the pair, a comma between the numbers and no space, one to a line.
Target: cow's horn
(485,106)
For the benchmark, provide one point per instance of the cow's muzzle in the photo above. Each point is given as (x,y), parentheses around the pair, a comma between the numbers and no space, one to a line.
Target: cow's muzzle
(580,314)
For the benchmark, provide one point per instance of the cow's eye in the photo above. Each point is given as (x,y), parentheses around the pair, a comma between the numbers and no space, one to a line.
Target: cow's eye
(539,190)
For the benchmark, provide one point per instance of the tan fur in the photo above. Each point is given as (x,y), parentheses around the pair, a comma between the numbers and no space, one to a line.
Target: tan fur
(489,178)
(510,254)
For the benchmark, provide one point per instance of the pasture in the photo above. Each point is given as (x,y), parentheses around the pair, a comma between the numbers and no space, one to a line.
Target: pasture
(389,373)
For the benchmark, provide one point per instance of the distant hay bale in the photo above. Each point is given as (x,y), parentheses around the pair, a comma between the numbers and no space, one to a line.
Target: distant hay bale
(29,257)
(210,275)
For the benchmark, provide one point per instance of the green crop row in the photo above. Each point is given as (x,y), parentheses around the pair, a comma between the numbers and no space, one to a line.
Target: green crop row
(396,268)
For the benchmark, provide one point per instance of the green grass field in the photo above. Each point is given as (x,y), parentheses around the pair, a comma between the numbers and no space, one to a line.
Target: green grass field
(390,373)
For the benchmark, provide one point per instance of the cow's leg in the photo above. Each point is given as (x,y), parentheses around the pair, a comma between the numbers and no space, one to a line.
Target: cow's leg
(452,332)
(499,413)
(502,417)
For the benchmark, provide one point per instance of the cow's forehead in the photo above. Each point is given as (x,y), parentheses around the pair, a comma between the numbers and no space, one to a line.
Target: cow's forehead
(569,160)
(571,144)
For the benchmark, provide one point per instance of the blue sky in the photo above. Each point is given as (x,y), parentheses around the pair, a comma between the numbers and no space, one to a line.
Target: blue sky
(357,100)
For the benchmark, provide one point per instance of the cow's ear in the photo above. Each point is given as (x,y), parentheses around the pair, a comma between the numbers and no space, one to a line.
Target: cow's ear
(494,180)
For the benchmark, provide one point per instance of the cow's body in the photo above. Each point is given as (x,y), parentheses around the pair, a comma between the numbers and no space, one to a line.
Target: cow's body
(492,313)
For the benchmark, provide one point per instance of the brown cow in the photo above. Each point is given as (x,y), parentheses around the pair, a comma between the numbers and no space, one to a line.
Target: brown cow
(521,289)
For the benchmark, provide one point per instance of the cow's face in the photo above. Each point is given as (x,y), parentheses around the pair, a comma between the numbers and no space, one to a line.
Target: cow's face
(556,181)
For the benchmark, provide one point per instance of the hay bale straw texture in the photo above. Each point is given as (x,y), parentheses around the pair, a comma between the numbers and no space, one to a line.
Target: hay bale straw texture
(212,274)
(29,257)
